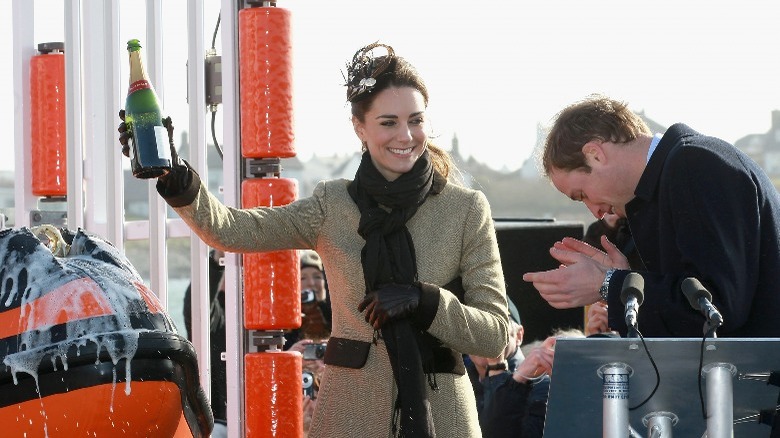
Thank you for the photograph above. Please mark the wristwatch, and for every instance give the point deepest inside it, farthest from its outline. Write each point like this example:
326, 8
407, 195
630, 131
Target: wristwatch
604, 290
496, 366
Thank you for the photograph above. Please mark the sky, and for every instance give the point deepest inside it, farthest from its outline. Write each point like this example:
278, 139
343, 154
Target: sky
496, 69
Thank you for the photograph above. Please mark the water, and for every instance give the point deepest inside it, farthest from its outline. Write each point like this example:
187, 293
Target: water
78, 290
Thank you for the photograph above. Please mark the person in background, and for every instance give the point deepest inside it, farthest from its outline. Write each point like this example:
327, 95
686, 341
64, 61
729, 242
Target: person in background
511, 390
315, 304
314, 366
697, 207
616, 229
597, 321
415, 272
217, 340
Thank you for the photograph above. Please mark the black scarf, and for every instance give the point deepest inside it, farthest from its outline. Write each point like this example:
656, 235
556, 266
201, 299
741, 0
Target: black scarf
388, 257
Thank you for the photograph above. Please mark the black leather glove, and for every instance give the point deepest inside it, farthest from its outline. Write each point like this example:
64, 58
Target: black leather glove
389, 302
125, 135
173, 183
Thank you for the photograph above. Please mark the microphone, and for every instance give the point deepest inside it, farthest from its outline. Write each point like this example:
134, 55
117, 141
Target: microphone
632, 295
701, 300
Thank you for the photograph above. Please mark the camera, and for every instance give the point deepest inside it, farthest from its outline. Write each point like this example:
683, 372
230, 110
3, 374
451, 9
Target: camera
308, 296
308, 384
314, 351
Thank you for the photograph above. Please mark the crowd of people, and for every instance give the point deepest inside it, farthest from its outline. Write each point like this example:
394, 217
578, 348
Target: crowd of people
418, 315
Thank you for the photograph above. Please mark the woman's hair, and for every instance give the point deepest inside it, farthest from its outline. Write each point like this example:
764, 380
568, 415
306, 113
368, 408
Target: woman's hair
368, 75
595, 118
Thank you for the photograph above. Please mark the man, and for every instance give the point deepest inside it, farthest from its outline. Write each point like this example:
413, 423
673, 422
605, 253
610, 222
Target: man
511, 390
697, 207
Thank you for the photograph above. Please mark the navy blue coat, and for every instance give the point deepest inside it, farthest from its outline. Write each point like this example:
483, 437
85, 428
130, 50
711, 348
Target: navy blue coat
704, 209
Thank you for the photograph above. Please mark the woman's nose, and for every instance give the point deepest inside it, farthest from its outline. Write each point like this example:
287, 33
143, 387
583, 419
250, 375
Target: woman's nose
404, 134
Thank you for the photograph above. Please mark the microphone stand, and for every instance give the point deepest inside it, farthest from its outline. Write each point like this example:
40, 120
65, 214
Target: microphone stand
710, 329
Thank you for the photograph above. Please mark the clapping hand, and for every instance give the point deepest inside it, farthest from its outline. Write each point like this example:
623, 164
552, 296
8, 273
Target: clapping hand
577, 280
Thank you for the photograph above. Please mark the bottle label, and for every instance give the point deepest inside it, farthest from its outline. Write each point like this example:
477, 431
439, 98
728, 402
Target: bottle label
143, 84
163, 146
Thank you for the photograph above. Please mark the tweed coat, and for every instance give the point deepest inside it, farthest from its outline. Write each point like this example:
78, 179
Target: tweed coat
453, 235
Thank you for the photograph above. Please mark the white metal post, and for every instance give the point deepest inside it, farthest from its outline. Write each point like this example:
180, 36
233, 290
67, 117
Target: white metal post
235, 333
73, 116
199, 251
158, 256
23, 49
102, 160
720, 399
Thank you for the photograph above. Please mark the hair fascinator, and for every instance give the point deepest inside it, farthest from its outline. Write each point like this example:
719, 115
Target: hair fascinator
365, 68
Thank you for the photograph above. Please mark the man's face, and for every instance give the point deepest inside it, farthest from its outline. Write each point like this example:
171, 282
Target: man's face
601, 189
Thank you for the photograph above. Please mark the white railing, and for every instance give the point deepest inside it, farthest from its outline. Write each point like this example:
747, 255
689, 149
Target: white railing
94, 94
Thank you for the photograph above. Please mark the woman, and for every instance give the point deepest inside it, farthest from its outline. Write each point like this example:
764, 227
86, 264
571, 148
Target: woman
417, 276
315, 303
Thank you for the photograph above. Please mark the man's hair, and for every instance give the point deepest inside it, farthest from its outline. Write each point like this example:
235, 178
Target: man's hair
597, 117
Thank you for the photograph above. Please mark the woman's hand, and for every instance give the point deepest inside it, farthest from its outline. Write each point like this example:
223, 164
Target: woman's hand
125, 135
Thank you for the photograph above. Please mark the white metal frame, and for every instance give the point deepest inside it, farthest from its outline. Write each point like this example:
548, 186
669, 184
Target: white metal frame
235, 335
94, 164
23, 49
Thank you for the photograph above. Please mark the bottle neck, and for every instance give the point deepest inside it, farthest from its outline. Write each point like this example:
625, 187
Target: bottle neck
137, 71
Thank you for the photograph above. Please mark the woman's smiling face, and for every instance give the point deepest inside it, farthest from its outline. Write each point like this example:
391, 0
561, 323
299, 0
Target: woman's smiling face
394, 130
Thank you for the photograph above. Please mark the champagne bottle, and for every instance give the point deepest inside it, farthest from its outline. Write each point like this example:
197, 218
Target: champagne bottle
150, 153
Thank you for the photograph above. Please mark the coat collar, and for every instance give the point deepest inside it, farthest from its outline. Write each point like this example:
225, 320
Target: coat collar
648, 182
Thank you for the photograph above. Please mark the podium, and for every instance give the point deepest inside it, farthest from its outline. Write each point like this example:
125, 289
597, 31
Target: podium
578, 388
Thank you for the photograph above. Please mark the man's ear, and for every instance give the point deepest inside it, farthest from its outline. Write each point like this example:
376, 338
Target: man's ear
594, 152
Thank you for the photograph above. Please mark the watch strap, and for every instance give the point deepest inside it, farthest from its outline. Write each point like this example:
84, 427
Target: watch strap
497, 366
604, 290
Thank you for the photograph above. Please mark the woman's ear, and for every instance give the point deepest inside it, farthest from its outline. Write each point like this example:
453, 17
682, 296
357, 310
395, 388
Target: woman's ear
358, 127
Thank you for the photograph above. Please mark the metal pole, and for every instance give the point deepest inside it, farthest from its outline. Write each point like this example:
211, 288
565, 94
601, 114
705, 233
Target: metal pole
615, 399
199, 251
23, 23
720, 399
234, 315
158, 260
73, 97
659, 424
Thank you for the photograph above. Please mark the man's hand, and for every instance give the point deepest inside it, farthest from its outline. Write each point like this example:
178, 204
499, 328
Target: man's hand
575, 283
612, 258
